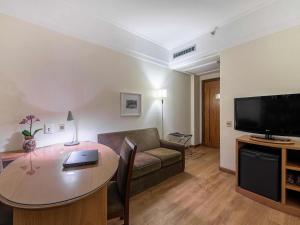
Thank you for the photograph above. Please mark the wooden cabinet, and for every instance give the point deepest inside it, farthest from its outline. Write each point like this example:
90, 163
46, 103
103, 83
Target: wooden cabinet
290, 162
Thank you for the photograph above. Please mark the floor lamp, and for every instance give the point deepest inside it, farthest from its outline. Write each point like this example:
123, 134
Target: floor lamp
162, 93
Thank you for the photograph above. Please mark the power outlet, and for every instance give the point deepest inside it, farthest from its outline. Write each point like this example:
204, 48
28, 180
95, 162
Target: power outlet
49, 128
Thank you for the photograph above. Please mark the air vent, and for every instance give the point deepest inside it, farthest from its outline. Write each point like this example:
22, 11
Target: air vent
184, 52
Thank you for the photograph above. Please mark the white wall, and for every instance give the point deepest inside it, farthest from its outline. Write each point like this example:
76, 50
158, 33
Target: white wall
193, 109
46, 73
263, 67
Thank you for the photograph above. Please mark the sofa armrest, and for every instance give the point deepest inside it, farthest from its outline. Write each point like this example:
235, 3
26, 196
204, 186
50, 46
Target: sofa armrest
175, 146
172, 145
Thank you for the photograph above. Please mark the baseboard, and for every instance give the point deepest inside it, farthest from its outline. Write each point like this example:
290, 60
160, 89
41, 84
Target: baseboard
227, 170
195, 146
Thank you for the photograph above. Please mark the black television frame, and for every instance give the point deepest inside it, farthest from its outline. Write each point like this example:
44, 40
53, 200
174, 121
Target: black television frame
267, 133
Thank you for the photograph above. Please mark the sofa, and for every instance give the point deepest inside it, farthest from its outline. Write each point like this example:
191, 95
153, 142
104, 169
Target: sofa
155, 161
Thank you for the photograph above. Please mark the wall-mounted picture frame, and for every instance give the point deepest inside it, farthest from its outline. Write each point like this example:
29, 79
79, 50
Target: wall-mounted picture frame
131, 104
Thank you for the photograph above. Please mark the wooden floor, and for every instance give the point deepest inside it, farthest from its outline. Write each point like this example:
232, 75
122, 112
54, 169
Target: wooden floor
201, 196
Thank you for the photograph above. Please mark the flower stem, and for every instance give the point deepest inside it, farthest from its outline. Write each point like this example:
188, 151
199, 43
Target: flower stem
30, 127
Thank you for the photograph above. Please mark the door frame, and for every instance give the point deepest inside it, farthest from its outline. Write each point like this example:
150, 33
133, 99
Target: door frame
203, 104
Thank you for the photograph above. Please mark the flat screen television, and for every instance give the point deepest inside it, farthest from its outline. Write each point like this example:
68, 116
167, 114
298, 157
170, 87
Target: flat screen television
269, 115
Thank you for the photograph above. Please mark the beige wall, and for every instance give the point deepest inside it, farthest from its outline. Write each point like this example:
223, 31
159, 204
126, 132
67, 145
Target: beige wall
263, 67
46, 73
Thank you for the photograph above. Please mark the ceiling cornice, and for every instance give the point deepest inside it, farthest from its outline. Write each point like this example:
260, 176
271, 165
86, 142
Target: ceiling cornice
97, 31
70, 5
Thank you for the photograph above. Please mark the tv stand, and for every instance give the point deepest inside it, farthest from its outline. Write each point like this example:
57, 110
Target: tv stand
272, 140
290, 163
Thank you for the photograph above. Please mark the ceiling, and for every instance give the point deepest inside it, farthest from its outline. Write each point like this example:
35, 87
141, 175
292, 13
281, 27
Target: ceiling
168, 23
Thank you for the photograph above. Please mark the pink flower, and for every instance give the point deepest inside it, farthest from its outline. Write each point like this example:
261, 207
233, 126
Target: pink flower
30, 120
30, 117
24, 121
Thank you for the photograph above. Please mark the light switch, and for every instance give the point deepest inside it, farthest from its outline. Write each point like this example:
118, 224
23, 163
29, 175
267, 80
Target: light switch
61, 127
229, 124
49, 128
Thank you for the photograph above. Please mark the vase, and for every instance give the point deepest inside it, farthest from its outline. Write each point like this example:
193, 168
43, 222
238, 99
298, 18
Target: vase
29, 144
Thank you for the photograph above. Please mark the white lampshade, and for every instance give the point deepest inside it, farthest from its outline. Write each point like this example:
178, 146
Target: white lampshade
161, 93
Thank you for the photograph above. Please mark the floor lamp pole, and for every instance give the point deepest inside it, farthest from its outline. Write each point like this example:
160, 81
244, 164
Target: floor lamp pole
162, 118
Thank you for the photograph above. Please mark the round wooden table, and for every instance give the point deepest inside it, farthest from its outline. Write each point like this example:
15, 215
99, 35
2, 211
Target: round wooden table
42, 192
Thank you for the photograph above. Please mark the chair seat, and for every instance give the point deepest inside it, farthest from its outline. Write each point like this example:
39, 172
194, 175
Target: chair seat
145, 164
114, 203
167, 156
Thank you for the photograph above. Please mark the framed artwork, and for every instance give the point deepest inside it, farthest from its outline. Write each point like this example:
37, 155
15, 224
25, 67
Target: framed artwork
131, 104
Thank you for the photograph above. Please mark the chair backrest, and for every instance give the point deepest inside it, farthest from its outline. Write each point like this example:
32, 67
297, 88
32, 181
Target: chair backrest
124, 173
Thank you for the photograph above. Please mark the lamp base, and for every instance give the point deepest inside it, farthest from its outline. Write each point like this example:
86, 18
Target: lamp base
72, 143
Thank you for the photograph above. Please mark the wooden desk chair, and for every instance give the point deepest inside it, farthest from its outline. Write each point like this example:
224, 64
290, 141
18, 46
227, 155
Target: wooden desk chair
119, 190
6, 212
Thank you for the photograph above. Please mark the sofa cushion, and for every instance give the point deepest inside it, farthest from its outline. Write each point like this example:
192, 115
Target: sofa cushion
144, 164
167, 156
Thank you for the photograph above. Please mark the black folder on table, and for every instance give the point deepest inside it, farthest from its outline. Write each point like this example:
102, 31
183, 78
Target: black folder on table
81, 158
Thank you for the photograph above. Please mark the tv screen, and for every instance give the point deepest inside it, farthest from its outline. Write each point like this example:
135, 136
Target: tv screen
275, 115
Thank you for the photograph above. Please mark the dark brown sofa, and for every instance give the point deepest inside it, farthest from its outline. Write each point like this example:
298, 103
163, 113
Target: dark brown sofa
155, 161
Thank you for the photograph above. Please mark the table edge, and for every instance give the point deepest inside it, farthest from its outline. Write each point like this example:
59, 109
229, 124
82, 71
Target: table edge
61, 203
51, 205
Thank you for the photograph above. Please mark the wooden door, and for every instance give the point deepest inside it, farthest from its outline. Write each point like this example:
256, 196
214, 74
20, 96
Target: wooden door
211, 113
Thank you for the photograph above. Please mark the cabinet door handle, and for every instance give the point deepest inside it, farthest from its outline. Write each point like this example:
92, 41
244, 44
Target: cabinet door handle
268, 159
249, 154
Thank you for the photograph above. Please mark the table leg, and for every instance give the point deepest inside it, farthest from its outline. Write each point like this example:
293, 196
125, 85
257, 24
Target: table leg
91, 210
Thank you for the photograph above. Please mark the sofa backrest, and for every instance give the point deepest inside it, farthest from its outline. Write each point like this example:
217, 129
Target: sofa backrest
145, 139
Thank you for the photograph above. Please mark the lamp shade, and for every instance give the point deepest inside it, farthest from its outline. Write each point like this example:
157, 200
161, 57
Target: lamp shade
70, 116
161, 93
